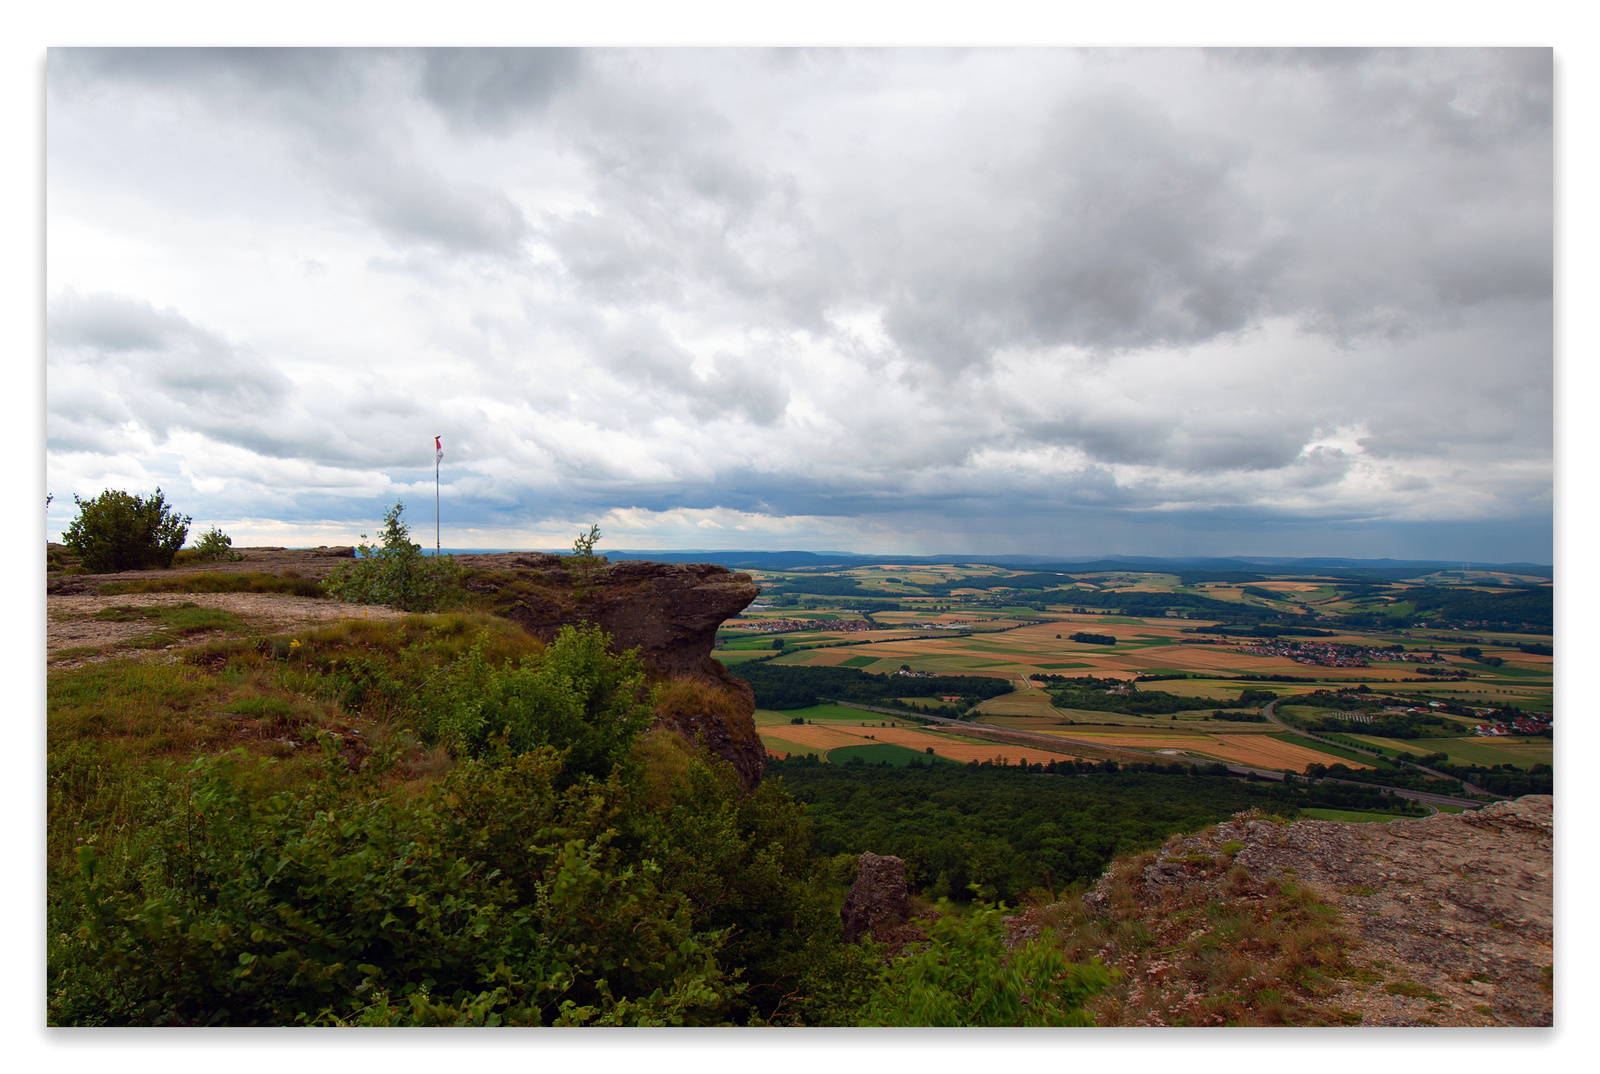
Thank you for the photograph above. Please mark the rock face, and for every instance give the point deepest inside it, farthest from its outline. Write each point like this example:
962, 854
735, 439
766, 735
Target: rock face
669, 611
878, 903
1451, 915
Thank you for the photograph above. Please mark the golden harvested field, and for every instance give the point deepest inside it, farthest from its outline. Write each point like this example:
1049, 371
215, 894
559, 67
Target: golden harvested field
1265, 752
822, 738
1242, 747
816, 736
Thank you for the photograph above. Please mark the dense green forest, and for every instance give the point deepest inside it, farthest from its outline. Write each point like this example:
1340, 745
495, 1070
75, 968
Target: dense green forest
788, 686
1012, 830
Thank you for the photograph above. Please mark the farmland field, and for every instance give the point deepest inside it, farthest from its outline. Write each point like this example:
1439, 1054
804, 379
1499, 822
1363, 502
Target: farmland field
1350, 816
1203, 638
832, 732
1522, 752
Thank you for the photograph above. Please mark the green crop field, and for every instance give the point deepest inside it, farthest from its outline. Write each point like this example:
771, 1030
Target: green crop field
822, 713
782, 745
730, 657
1350, 816
1521, 752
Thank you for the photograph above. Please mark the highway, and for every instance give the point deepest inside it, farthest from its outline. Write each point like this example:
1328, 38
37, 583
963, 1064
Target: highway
1435, 773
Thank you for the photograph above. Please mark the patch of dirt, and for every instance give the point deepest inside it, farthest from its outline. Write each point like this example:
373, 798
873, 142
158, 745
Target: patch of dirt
1450, 916
74, 637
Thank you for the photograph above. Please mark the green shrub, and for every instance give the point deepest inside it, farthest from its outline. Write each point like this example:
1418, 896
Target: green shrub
214, 545
576, 696
397, 573
967, 976
493, 898
117, 531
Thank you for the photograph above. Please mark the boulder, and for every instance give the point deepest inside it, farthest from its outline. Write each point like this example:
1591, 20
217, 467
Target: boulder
879, 902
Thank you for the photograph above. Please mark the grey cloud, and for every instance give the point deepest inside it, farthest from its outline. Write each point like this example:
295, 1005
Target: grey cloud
737, 385
162, 348
328, 73
1248, 441
345, 113
116, 361
1139, 236
1318, 467
743, 387
416, 204
489, 87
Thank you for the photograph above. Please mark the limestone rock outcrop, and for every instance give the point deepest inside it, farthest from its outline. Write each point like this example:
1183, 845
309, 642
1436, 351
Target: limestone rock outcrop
669, 611
1450, 916
879, 902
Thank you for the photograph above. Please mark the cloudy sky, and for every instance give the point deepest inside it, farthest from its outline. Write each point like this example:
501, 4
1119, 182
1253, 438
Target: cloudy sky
1045, 301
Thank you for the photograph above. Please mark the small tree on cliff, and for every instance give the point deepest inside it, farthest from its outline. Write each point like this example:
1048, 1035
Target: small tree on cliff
583, 552
396, 572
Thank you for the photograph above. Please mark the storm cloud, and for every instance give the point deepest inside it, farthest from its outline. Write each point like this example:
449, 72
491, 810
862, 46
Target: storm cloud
1052, 301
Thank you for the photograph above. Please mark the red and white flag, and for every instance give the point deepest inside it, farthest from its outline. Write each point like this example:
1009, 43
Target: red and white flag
438, 449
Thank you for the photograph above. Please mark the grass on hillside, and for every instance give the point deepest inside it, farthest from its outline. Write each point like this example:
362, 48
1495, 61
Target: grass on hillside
109, 724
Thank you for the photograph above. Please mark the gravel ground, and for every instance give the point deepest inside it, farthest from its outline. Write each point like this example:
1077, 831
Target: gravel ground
75, 637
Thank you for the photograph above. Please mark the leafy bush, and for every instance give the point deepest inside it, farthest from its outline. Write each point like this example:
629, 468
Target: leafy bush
117, 531
214, 545
492, 899
576, 696
396, 572
969, 976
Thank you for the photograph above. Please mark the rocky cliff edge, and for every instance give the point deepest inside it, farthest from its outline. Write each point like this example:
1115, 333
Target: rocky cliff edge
669, 611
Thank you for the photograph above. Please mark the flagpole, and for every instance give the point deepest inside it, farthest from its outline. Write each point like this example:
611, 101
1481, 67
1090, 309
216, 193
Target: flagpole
438, 454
